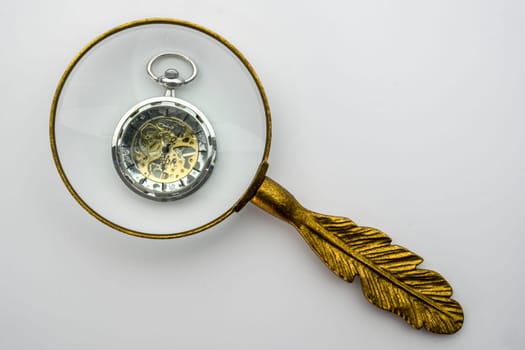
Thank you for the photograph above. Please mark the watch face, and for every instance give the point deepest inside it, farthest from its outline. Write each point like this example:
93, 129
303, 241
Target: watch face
164, 148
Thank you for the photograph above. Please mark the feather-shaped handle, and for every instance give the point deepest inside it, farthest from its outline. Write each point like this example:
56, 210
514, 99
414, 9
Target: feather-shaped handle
389, 275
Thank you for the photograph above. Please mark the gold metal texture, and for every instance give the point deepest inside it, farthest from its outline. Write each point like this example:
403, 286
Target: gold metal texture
248, 194
389, 275
161, 155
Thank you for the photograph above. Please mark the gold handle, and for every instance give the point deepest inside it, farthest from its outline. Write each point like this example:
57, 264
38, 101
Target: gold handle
389, 275
276, 200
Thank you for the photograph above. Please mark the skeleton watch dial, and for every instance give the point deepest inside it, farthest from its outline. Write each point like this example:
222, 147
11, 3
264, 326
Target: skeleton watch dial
164, 148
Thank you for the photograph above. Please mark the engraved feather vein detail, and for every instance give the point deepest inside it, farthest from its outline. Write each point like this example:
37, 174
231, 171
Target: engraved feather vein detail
389, 275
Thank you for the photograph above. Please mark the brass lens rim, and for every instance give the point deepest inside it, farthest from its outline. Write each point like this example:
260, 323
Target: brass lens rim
257, 179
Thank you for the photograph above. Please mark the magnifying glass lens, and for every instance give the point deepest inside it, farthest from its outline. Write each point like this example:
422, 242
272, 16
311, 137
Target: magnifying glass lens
219, 122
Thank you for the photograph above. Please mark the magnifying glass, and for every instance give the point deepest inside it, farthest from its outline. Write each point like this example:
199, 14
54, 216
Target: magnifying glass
160, 128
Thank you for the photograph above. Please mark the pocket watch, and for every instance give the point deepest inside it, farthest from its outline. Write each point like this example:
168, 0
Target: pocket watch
164, 148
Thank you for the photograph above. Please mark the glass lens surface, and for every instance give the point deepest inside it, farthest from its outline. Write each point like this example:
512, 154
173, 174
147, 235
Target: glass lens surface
111, 78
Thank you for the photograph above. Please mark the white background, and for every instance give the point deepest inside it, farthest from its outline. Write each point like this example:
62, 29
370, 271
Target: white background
404, 115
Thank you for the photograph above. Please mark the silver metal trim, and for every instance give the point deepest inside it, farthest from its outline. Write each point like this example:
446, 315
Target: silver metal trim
129, 173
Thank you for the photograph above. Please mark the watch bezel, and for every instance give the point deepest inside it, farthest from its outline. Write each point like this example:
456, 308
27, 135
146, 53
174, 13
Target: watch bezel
126, 170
